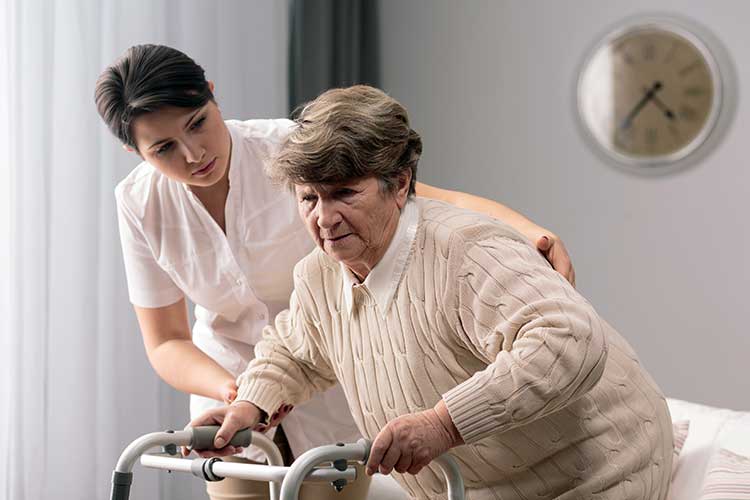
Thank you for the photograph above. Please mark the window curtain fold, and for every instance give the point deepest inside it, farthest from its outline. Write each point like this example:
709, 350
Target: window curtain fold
333, 43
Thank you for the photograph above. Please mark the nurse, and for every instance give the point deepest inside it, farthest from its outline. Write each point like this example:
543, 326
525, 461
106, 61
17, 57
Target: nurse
200, 221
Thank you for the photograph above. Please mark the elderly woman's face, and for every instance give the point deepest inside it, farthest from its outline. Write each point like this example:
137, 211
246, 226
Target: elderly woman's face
352, 222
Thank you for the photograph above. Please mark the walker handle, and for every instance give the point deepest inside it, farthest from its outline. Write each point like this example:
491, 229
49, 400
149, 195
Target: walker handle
203, 438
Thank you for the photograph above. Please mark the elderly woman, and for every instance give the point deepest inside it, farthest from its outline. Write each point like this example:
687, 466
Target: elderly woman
447, 331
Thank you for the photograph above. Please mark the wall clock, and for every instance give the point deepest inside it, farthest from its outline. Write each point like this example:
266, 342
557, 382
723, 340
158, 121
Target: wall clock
650, 93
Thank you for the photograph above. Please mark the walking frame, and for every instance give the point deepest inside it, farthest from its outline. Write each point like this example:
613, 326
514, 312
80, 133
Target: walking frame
322, 464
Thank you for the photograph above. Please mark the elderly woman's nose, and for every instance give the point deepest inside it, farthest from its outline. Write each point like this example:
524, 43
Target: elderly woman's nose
327, 214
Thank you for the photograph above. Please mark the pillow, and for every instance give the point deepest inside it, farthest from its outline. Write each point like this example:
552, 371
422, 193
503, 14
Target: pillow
680, 431
728, 477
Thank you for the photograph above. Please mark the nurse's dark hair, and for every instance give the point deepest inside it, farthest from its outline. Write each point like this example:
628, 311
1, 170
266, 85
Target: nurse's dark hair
144, 79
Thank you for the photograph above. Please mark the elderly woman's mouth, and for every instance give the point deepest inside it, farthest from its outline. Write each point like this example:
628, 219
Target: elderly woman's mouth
338, 238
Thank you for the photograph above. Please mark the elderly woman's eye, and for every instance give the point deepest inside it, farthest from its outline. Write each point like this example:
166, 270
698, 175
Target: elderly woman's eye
308, 198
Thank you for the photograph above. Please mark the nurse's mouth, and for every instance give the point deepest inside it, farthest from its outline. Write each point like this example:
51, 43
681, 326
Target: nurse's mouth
205, 170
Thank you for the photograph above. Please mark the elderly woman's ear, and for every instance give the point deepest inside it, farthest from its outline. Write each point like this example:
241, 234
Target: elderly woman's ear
402, 188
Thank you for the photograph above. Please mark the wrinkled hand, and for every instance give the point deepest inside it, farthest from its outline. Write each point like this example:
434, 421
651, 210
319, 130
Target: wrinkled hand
276, 418
232, 418
554, 251
410, 442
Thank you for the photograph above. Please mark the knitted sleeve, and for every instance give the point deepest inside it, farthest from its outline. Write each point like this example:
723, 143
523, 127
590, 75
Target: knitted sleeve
543, 343
289, 366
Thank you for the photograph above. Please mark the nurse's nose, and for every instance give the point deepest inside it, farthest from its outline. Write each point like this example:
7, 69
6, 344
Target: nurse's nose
194, 153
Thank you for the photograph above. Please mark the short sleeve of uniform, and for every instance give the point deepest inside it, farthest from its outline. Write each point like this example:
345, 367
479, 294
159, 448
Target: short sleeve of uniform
148, 284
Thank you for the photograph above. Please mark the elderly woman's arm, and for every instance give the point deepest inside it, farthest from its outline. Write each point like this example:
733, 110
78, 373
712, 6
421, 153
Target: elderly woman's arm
289, 366
288, 369
547, 242
543, 344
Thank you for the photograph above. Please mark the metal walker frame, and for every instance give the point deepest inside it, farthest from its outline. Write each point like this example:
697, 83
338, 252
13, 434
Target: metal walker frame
284, 482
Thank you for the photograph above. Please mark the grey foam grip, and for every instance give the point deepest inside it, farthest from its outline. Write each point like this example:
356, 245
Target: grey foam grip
203, 437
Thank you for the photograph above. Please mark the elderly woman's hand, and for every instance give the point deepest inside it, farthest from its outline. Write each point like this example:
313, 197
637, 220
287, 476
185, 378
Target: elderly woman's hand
232, 418
410, 442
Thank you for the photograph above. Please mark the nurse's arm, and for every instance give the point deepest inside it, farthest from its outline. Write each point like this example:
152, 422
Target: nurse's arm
548, 243
170, 349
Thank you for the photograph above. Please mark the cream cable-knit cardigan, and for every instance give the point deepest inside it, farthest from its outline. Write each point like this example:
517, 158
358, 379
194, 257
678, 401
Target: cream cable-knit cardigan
550, 400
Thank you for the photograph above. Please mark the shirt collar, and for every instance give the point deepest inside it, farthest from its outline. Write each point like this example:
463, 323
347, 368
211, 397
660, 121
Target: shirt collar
384, 278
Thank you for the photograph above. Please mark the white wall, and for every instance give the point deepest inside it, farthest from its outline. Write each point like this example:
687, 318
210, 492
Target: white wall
489, 85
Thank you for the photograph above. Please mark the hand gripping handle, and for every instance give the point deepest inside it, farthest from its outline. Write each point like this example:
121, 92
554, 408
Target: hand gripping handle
203, 438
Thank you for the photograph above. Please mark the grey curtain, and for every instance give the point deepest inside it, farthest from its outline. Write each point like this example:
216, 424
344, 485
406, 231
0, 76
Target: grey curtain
333, 43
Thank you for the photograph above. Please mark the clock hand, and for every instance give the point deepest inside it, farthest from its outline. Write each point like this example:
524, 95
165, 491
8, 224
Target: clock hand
663, 107
649, 95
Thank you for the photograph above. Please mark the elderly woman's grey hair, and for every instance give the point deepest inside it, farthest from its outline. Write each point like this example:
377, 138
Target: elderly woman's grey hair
346, 134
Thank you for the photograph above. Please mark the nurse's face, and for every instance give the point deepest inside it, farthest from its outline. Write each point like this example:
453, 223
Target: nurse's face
187, 145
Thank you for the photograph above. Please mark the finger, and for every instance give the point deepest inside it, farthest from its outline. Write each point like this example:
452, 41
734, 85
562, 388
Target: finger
415, 468
185, 451
228, 429
543, 244
210, 417
419, 462
230, 396
392, 455
404, 462
572, 276
224, 452
377, 452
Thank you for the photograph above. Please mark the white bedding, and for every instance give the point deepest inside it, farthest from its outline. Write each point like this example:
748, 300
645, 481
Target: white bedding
710, 429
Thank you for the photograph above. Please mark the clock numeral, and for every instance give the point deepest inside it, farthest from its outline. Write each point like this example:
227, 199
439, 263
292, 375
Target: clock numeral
670, 53
688, 113
649, 52
689, 68
695, 91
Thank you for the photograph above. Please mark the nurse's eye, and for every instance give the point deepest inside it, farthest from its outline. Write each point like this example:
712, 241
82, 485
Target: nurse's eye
164, 148
198, 123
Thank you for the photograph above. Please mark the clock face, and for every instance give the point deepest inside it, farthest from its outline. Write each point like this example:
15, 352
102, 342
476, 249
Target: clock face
649, 95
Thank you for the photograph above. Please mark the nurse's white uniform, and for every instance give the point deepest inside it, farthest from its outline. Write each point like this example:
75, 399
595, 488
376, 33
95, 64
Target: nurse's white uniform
238, 281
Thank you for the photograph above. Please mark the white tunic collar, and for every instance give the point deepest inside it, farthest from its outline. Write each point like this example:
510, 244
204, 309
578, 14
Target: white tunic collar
383, 280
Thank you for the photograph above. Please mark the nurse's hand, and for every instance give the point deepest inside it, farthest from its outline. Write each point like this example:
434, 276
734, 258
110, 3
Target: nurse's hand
410, 442
228, 391
232, 418
553, 249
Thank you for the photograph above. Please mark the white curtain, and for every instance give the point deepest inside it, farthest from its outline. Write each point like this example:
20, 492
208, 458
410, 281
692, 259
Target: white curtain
75, 385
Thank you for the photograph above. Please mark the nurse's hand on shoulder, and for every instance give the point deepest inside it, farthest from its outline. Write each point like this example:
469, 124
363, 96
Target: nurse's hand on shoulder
553, 249
239, 415
410, 442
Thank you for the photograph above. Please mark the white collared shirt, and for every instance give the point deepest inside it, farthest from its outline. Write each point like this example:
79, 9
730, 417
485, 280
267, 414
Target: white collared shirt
173, 248
383, 279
